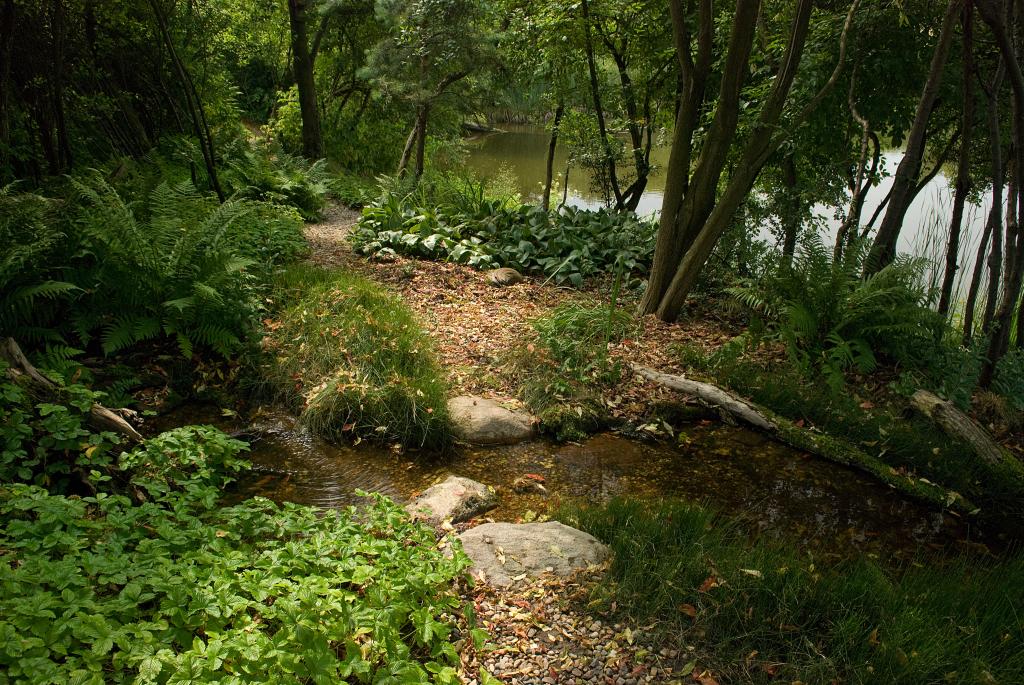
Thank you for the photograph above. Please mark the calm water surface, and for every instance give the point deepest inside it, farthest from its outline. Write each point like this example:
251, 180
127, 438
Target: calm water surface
783, 494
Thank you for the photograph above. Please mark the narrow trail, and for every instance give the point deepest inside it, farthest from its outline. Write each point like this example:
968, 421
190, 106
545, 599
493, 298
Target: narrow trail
544, 631
474, 325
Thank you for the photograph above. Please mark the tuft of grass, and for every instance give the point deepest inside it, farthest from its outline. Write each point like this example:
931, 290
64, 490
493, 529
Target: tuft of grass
567, 366
354, 361
762, 614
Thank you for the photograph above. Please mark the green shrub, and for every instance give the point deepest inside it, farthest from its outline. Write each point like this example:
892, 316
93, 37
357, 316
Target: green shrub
833, 320
178, 265
761, 614
354, 360
272, 175
31, 292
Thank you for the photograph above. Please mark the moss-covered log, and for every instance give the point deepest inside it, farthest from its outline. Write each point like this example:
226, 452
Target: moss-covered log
819, 444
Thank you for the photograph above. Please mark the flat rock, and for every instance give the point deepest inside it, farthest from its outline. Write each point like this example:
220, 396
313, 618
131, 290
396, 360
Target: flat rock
454, 499
503, 551
504, 276
485, 422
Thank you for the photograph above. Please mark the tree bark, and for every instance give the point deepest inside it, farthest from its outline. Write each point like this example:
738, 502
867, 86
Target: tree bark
963, 171
791, 222
422, 114
883, 250
549, 168
302, 65
595, 92
690, 211
6, 45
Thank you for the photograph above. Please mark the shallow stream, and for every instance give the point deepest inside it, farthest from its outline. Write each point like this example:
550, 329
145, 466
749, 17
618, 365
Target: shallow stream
776, 492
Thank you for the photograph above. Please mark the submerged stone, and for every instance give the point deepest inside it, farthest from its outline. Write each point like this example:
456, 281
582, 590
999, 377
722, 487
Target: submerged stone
455, 499
503, 552
485, 422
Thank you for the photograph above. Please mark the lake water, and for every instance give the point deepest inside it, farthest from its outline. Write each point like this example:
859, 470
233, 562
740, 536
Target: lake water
521, 153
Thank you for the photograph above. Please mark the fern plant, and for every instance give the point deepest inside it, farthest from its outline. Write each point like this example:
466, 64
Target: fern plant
833, 320
165, 267
277, 177
29, 288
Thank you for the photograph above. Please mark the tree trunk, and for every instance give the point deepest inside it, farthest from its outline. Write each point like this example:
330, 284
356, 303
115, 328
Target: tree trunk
958, 425
549, 168
302, 65
6, 45
195, 105
595, 92
999, 338
403, 162
963, 171
883, 251
422, 113
685, 210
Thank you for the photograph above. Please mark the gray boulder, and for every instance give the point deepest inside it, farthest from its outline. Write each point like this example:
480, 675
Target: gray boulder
485, 422
504, 552
455, 499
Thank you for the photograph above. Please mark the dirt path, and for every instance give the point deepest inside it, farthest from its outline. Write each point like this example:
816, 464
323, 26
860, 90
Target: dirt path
474, 324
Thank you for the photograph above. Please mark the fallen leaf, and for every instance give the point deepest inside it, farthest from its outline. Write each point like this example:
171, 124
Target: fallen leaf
689, 610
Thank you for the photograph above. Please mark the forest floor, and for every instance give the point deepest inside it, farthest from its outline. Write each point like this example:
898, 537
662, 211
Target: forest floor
544, 631
475, 325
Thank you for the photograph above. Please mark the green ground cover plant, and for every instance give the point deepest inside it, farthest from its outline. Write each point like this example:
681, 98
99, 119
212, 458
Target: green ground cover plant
760, 614
353, 360
457, 220
148, 579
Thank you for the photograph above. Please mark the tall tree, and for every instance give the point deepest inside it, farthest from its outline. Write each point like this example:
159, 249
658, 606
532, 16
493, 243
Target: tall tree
905, 181
305, 79
692, 223
433, 45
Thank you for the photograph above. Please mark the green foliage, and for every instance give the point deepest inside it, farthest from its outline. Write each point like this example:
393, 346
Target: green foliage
170, 270
170, 262
1009, 379
28, 290
762, 614
833, 320
50, 443
459, 222
174, 589
274, 176
562, 375
354, 360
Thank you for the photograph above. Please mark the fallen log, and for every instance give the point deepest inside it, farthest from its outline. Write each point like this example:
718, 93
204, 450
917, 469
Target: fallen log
962, 427
100, 418
819, 444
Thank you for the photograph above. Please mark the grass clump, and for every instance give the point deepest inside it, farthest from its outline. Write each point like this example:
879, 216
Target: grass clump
352, 358
761, 614
568, 365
